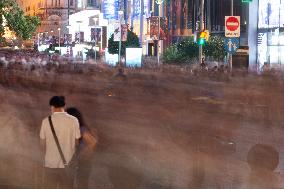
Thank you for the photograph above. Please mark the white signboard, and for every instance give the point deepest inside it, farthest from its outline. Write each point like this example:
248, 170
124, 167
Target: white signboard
117, 32
232, 26
111, 59
134, 57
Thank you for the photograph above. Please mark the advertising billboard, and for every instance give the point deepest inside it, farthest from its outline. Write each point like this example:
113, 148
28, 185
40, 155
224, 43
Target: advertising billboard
117, 32
270, 13
124, 31
79, 37
110, 9
137, 8
67, 39
154, 28
96, 34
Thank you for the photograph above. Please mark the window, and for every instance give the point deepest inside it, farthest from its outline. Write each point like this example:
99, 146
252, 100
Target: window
270, 13
79, 3
90, 3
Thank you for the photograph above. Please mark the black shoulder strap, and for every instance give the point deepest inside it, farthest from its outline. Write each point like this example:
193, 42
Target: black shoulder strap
56, 141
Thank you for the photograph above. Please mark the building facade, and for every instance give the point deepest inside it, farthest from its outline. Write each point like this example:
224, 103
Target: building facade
184, 17
54, 14
270, 33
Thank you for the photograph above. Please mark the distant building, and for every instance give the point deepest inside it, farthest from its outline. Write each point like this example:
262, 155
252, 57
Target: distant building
54, 13
184, 16
270, 33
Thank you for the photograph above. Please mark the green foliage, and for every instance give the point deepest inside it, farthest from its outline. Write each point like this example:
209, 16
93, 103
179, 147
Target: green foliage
172, 55
132, 41
187, 50
4, 8
50, 48
23, 26
215, 48
91, 54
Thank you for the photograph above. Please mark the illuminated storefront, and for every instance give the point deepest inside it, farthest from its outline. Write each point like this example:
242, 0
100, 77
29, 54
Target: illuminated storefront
82, 26
270, 41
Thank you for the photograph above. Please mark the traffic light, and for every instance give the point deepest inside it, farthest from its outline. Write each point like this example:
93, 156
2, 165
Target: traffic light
207, 35
203, 37
201, 41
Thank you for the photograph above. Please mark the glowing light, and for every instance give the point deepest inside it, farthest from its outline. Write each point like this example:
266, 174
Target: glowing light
8, 33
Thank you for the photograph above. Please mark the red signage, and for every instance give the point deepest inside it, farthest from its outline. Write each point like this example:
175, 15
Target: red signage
232, 26
154, 28
232, 23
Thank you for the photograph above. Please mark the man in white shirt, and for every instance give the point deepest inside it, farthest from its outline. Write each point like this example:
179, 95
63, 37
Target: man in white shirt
68, 133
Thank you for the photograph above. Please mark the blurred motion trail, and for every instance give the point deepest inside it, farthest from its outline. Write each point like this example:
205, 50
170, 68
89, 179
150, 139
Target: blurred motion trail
157, 130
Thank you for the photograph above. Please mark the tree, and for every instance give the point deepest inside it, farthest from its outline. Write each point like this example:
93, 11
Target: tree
23, 26
215, 48
132, 41
173, 55
187, 50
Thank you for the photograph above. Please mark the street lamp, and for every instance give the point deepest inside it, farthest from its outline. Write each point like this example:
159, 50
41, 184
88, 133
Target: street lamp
159, 2
38, 39
79, 24
95, 39
201, 29
120, 13
59, 40
51, 37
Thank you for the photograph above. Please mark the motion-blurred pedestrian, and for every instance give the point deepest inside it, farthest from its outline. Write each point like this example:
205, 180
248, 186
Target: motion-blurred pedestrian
86, 149
59, 134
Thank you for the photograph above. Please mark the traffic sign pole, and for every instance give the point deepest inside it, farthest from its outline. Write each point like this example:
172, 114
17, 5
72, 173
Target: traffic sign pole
201, 29
231, 55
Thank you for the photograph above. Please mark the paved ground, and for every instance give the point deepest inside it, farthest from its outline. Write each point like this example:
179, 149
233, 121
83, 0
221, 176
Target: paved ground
156, 131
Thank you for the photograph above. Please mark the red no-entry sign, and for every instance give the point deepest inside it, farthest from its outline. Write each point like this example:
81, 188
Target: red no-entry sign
232, 23
232, 26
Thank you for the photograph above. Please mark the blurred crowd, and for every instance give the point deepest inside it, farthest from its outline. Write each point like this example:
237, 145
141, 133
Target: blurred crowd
30, 60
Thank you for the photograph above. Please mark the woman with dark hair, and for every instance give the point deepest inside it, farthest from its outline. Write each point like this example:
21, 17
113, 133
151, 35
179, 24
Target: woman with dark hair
87, 146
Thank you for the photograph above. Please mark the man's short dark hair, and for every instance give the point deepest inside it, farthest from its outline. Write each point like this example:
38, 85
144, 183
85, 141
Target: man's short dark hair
57, 101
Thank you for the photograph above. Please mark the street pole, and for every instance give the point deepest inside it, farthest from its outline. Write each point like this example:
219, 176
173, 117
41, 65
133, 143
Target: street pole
79, 22
59, 40
79, 34
38, 40
95, 19
159, 2
95, 50
201, 29
159, 27
142, 23
132, 15
68, 10
119, 47
231, 55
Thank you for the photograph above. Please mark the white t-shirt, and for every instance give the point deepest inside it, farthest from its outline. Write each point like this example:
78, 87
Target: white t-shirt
67, 130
